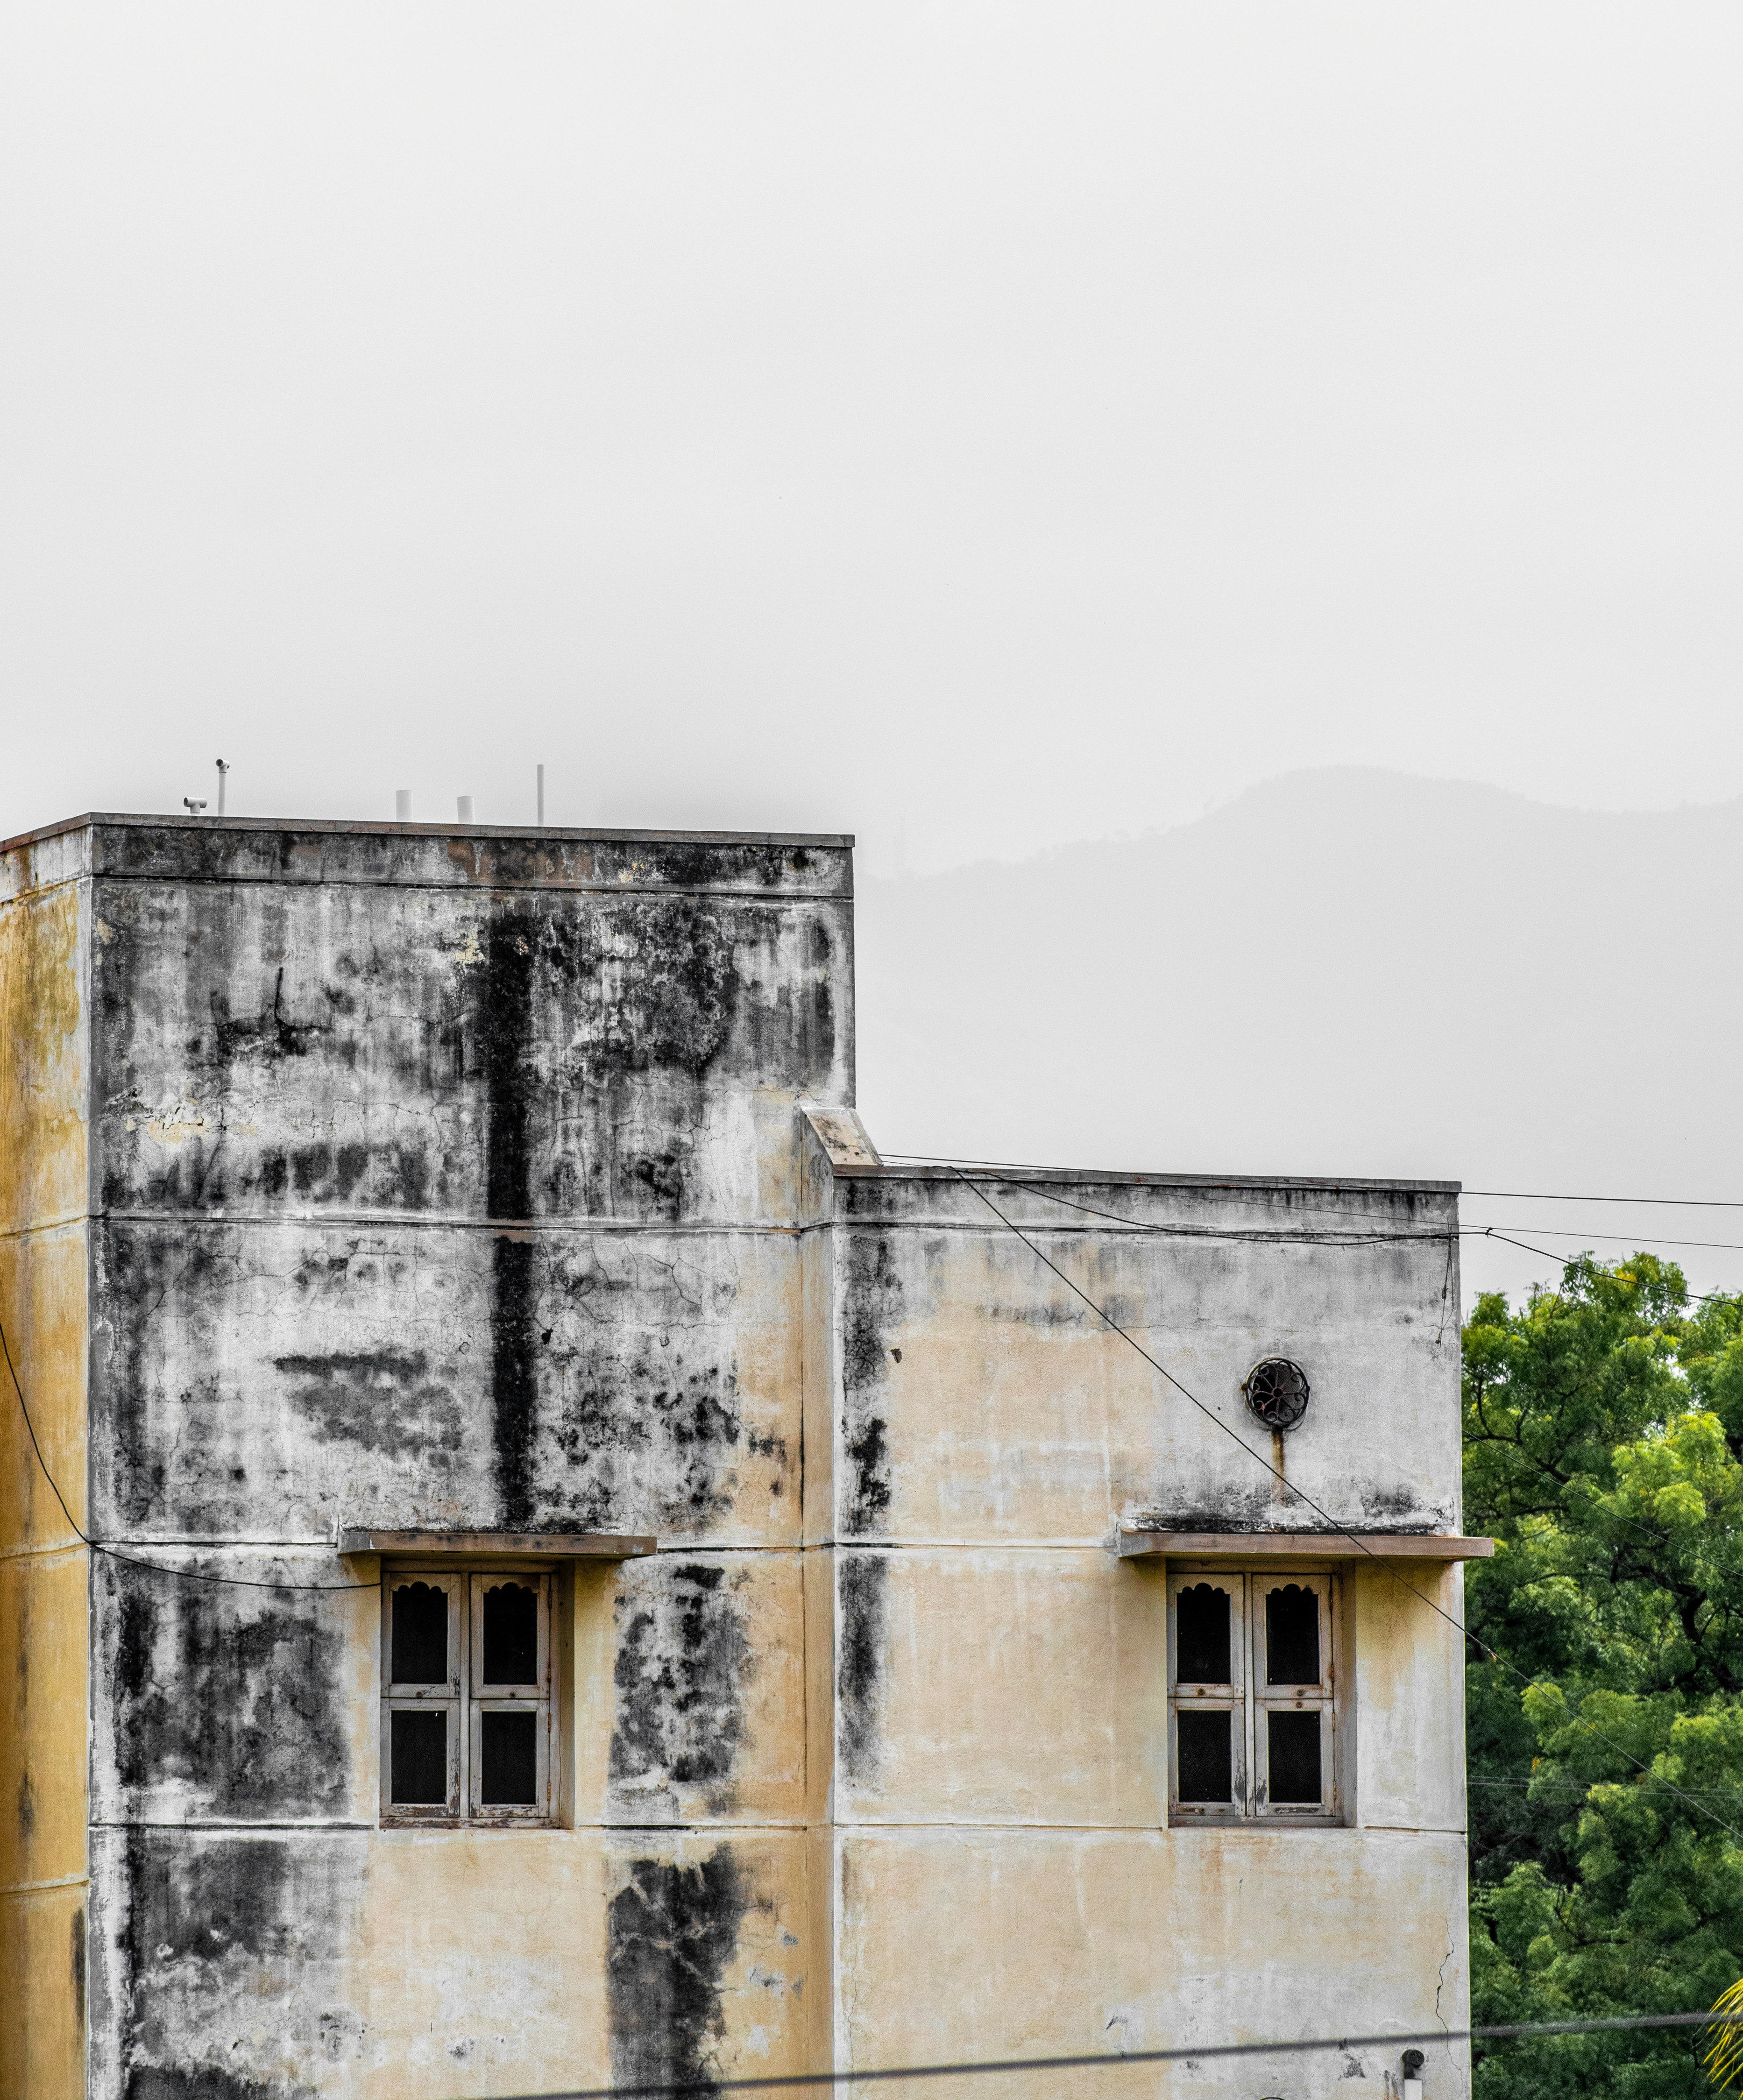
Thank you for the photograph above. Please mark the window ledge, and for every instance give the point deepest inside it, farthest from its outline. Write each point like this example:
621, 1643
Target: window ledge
1299, 1545
546, 1545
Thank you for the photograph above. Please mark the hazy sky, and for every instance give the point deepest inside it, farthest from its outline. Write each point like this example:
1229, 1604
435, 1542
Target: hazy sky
975, 426
1344, 972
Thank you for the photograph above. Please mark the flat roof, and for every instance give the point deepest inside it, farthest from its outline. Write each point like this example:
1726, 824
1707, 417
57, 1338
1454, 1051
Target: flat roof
633, 836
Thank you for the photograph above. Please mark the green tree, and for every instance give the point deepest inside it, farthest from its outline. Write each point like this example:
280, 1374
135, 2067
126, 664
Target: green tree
1603, 1449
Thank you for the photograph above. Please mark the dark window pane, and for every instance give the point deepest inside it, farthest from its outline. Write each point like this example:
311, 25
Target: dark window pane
420, 1759
1201, 1636
1292, 1636
510, 1778
1294, 1757
420, 1654
1207, 1755
511, 1635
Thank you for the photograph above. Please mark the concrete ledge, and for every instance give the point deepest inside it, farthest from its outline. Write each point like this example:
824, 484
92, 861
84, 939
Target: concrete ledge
1321, 1545
552, 1545
844, 1137
168, 820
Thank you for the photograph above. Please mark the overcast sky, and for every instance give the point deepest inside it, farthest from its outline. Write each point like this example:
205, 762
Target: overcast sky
978, 426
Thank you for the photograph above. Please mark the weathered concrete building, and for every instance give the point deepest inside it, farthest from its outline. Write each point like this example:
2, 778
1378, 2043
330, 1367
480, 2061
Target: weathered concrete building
722, 1604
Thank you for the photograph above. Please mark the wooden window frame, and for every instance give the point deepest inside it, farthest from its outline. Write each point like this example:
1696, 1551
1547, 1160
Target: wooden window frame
1252, 1701
466, 1698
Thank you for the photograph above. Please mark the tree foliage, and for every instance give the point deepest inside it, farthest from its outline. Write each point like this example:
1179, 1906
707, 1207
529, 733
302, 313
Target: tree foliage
1603, 1449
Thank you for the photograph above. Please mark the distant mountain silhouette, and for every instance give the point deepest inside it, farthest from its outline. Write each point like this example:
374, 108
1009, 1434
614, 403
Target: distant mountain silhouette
1344, 972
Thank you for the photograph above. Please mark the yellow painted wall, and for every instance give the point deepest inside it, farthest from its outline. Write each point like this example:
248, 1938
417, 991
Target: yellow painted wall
44, 1619
962, 1943
1006, 1881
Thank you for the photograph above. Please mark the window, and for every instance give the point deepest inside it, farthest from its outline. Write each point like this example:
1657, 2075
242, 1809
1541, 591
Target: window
466, 1707
1252, 1705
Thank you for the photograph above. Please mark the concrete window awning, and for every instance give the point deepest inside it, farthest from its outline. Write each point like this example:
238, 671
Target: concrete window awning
545, 1544
1299, 1545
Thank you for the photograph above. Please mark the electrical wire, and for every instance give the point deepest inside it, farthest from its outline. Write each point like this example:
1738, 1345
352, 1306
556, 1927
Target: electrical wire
1500, 1195
1555, 1196
1102, 2060
1583, 1786
1338, 1529
1356, 1236
1276, 1236
131, 1559
1490, 1233
1627, 1239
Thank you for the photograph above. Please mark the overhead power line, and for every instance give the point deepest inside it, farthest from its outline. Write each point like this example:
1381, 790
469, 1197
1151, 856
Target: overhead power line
1555, 1196
1353, 1236
1583, 1786
1627, 1239
1100, 2060
1331, 1181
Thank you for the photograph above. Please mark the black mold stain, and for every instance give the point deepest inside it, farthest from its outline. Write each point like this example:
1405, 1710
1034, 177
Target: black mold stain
1247, 1507
200, 1917
822, 1006
869, 1496
147, 2082
514, 1379
506, 1045
396, 1175
26, 1801
384, 1399
661, 1173
675, 1009
863, 1583
650, 1434
243, 1701
230, 1020
873, 1293
76, 1966
683, 1657
1061, 1312
271, 1031
1385, 1506
137, 1273
273, 996
670, 1936
200, 1902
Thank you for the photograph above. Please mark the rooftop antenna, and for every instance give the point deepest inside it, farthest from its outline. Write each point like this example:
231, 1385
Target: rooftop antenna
190, 806
223, 768
402, 805
542, 798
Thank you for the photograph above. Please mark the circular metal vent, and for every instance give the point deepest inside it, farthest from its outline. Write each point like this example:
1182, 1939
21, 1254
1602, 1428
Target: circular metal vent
1277, 1392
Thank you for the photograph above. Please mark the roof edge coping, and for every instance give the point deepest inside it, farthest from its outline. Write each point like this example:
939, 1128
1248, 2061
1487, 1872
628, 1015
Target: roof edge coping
369, 827
1138, 1178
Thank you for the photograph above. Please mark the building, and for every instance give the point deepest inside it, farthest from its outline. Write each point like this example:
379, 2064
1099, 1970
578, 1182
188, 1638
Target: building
714, 1587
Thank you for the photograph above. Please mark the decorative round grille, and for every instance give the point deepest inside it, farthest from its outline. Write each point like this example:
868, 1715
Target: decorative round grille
1277, 1392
